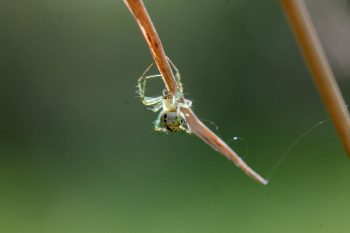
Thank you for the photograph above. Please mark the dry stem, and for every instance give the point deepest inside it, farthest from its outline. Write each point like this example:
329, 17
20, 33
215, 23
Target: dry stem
139, 11
310, 45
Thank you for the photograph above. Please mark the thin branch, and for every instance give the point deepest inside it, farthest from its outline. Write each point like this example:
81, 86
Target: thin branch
311, 47
142, 18
139, 11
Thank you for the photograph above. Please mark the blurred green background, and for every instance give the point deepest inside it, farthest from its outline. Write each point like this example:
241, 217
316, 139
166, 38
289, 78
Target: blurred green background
77, 148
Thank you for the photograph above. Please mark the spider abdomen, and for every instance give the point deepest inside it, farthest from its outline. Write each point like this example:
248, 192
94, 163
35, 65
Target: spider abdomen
172, 121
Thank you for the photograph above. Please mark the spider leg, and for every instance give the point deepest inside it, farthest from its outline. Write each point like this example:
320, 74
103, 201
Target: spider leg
141, 84
186, 104
177, 76
184, 126
158, 106
151, 100
142, 88
186, 129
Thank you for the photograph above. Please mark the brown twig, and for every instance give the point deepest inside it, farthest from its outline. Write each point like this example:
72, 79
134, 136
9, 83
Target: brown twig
139, 11
310, 45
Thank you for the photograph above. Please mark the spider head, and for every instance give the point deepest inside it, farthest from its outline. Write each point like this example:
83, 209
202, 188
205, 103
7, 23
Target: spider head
166, 95
168, 101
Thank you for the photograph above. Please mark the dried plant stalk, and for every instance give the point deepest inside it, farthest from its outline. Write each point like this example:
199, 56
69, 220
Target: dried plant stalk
311, 47
141, 16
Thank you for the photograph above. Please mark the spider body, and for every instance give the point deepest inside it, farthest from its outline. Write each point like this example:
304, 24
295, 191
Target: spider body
172, 121
170, 118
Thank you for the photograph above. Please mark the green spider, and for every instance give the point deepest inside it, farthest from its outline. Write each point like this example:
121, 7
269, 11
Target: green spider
170, 118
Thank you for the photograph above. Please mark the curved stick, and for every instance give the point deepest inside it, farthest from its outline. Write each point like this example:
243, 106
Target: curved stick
139, 12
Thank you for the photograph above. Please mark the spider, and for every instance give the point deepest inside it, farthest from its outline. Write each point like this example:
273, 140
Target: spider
170, 118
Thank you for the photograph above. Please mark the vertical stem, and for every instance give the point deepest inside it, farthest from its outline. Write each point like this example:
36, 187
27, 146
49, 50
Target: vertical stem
310, 45
142, 18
